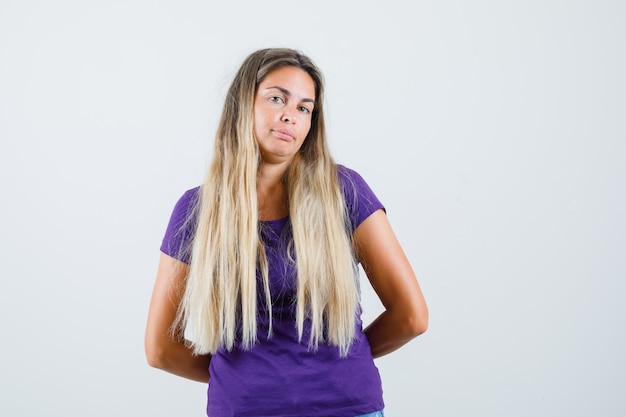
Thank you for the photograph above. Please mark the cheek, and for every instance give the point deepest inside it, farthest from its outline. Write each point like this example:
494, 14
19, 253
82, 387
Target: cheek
304, 135
307, 128
258, 121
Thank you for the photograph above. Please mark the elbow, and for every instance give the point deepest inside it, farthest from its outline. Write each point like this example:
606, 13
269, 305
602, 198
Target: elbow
157, 354
417, 323
155, 357
155, 361
419, 327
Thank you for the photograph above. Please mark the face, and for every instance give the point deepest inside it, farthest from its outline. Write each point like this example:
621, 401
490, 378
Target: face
283, 107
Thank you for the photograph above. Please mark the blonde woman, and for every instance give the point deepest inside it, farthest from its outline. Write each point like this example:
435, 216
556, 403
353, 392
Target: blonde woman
259, 264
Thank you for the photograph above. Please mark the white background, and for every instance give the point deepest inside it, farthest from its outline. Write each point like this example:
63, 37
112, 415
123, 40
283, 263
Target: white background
493, 131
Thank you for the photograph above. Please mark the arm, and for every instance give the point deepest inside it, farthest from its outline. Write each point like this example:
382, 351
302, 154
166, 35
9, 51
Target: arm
163, 350
393, 279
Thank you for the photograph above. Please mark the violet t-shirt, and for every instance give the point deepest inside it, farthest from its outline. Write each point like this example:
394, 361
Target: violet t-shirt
280, 376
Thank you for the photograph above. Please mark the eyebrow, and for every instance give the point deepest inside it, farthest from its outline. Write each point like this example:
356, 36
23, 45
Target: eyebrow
288, 93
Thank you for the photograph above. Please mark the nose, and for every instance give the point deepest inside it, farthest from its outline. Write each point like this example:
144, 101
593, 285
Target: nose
287, 115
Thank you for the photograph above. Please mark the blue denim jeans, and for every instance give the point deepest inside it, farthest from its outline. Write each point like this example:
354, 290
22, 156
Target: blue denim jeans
376, 414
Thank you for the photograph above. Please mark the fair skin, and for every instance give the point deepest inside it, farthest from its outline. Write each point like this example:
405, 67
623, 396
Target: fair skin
283, 106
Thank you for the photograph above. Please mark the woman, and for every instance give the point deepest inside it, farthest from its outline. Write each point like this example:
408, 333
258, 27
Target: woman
259, 264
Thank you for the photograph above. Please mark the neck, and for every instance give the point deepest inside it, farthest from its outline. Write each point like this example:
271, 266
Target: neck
271, 174
271, 191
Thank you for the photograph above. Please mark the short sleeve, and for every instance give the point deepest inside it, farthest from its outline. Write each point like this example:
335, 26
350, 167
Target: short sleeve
181, 228
361, 202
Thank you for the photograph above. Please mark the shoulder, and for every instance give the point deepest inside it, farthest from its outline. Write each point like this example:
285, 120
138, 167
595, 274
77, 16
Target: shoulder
360, 199
353, 184
190, 196
181, 227
186, 203
347, 175
351, 181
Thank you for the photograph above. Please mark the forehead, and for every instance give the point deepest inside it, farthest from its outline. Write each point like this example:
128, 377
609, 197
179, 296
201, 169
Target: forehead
293, 79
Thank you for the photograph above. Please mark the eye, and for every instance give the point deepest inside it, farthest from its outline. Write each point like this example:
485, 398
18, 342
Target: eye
304, 109
276, 99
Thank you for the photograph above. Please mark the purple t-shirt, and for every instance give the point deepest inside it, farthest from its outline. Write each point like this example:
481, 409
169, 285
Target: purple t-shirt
280, 376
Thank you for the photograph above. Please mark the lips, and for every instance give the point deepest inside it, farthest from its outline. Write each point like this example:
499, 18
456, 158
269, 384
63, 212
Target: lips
283, 134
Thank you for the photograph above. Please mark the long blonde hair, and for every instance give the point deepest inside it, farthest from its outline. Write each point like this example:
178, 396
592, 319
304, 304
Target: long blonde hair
219, 304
